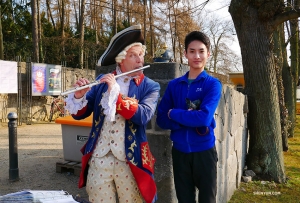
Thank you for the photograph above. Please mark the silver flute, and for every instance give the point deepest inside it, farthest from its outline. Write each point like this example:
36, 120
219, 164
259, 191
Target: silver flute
98, 82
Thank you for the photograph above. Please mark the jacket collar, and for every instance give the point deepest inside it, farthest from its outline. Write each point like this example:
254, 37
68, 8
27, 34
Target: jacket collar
203, 74
139, 79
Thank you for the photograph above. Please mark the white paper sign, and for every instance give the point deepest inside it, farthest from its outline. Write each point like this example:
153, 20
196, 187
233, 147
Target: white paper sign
8, 77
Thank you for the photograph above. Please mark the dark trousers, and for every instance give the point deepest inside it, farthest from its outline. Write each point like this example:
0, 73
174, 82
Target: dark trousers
197, 169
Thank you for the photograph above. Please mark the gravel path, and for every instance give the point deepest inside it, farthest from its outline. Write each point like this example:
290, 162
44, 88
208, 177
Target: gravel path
39, 148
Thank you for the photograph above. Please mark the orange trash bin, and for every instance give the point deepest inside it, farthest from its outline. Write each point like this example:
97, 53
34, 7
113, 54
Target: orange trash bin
74, 135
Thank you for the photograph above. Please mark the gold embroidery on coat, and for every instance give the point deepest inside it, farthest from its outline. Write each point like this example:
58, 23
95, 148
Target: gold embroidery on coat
128, 103
146, 158
132, 146
97, 122
102, 112
132, 161
131, 128
119, 107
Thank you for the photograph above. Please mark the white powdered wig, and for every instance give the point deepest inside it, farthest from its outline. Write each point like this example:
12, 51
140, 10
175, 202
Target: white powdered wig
122, 54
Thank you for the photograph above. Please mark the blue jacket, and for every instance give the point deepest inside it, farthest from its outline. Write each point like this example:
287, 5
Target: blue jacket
191, 130
138, 154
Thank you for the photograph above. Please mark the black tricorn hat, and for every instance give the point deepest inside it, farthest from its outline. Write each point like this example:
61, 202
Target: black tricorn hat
118, 42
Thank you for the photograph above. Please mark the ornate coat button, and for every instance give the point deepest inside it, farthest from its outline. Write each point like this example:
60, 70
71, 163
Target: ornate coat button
129, 155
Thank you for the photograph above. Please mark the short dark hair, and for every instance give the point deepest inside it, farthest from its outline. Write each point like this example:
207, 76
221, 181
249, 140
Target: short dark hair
196, 35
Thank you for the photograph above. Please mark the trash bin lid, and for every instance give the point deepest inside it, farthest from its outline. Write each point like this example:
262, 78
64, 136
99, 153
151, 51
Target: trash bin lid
69, 120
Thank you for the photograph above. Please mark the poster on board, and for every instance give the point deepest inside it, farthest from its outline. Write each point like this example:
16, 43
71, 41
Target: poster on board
54, 79
39, 79
46, 79
8, 77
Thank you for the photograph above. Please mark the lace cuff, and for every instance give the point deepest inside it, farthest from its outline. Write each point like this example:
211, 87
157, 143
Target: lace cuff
73, 104
108, 102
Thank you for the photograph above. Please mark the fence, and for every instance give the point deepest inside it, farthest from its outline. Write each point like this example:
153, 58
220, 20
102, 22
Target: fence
31, 108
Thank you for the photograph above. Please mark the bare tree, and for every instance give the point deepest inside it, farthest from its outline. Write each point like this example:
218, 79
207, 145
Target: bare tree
35, 39
182, 19
1, 38
62, 26
40, 31
49, 12
81, 31
221, 32
114, 16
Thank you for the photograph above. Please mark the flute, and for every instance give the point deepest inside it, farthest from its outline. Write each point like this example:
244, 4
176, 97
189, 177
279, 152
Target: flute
97, 82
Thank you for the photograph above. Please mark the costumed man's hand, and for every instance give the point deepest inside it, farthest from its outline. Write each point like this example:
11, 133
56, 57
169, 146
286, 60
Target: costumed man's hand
81, 82
109, 79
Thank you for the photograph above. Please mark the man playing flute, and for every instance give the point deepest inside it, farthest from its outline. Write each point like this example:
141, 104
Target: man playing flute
117, 162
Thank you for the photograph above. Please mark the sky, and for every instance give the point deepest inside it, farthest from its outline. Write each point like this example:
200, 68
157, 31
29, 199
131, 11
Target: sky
220, 8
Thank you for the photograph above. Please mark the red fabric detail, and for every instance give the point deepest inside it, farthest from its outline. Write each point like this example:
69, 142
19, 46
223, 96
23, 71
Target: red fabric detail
126, 106
145, 183
206, 131
138, 80
81, 111
83, 149
84, 168
148, 159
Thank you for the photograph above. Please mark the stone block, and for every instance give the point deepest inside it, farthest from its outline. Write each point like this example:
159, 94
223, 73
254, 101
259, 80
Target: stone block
246, 179
231, 175
161, 148
249, 173
163, 86
165, 71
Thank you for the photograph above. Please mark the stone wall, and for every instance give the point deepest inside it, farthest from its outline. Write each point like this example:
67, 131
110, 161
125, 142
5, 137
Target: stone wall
231, 141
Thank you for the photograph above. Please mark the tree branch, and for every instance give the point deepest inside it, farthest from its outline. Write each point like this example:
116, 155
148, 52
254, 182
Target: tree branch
285, 16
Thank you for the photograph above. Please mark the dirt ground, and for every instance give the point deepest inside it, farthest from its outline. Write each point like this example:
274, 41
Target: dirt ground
39, 148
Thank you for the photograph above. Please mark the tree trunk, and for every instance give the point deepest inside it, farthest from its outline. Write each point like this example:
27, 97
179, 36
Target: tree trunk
1, 39
279, 44
114, 11
62, 29
289, 92
81, 27
50, 14
41, 55
94, 21
76, 16
145, 22
292, 74
151, 29
35, 40
171, 30
256, 39
128, 12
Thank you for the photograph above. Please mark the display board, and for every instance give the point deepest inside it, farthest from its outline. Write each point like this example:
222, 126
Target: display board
46, 79
8, 77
